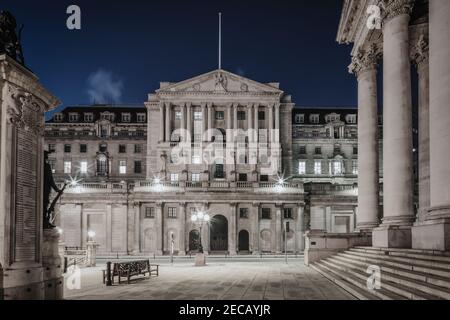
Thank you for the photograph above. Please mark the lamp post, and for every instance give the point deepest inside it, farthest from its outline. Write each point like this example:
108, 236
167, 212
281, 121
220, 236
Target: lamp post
91, 249
201, 218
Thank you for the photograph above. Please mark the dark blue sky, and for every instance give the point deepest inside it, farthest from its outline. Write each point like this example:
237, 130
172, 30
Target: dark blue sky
136, 44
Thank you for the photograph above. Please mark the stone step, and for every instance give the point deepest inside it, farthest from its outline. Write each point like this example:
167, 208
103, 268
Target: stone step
353, 285
409, 288
410, 260
402, 290
356, 291
434, 276
442, 256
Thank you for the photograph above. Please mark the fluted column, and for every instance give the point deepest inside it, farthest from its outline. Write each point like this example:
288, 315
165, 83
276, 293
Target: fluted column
254, 214
398, 213
210, 121
161, 122
364, 66
270, 116
168, 127
232, 229
278, 227
250, 122
183, 121
420, 57
204, 121
188, 122
235, 121
256, 107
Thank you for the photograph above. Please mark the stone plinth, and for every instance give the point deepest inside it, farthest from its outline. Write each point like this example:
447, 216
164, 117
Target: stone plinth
320, 244
200, 260
52, 264
431, 235
23, 101
392, 236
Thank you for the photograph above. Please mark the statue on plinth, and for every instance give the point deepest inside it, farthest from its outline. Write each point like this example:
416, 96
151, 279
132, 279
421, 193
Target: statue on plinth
49, 184
9, 40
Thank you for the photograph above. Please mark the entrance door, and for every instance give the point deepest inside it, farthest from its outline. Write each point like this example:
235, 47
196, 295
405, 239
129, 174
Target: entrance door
194, 240
243, 240
219, 233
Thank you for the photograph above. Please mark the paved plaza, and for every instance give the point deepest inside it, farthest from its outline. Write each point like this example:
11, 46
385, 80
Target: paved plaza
221, 279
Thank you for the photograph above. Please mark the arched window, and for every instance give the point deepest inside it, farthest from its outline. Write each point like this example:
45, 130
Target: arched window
102, 165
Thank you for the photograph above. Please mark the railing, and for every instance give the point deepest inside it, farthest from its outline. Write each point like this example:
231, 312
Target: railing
244, 184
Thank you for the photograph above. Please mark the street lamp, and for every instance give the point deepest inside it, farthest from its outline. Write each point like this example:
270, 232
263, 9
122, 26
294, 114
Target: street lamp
201, 218
91, 235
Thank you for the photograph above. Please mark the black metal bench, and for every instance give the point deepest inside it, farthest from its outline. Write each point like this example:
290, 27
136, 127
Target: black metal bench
131, 268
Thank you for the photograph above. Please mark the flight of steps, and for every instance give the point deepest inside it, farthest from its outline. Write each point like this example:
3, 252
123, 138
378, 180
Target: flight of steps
405, 273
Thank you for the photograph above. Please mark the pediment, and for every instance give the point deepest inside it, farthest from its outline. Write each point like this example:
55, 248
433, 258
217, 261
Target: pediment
219, 81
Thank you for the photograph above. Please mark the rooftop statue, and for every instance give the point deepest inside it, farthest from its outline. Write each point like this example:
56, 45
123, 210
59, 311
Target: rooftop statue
9, 40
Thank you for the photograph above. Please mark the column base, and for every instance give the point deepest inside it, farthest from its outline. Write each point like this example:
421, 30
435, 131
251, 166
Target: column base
366, 227
391, 236
431, 235
181, 253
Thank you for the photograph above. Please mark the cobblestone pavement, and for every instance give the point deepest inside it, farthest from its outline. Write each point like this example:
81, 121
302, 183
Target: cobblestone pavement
254, 280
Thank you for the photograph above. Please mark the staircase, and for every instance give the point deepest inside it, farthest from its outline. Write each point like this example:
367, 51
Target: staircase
405, 273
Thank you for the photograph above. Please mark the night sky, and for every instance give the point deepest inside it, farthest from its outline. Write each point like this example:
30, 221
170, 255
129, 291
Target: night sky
126, 47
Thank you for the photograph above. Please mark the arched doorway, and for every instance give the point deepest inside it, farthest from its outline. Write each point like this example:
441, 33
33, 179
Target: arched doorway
243, 240
218, 233
194, 240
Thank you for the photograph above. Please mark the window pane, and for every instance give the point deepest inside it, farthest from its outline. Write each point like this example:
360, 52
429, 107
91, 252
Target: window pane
67, 167
83, 167
122, 167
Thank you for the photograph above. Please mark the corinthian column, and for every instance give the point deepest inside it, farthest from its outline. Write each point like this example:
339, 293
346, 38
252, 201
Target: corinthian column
250, 122
256, 135
168, 130
161, 122
364, 66
188, 122
204, 120
183, 121
398, 212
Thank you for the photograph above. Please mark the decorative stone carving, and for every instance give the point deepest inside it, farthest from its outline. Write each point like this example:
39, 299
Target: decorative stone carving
394, 8
364, 60
419, 51
221, 81
26, 111
244, 87
196, 87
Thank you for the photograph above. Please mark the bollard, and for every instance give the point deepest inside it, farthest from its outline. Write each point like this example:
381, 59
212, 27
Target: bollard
108, 274
117, 256
154, 256
65, 264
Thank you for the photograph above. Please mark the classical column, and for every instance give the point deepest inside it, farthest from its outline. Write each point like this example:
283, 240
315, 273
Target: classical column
137, 227
183, 121
300, 228
278, 228
210, 121
256, 135
235, 121
161, 122
204, 122
159, 228
250, 122
188, 122
398, 215
270, 116
364, 66
232, 229
420, 58
277, 122
255, 223
168, 129
182, 236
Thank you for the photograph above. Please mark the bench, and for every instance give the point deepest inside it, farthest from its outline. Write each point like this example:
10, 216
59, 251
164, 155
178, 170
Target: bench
131, 268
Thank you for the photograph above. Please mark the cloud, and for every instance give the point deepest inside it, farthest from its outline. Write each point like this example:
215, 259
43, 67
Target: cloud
104, 87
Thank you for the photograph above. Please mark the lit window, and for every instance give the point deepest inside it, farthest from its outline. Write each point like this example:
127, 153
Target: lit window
174, 177
177, 115
83, 167
126, 117
198, 115
355, 166
302, 167
314, 118
195, 177
73, 117
67, 167
88, 117
317, 167
140, 117
351, 118
337, 166
122, 167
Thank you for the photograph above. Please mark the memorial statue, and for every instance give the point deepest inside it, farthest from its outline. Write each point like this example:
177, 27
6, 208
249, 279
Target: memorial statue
49, 184
9, 41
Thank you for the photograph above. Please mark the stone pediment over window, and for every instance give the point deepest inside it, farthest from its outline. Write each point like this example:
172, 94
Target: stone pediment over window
219, 82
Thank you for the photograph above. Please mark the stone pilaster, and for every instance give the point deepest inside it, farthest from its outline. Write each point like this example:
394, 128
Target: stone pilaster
278, 227
232, 231
254, 215
168, 121
235, 110
159, 228
182, 236
250, 122
204, 122
277, 123
210, 121
161, 121
364, 66
137, 228
188, 122
398, 216
256, 134
183, 121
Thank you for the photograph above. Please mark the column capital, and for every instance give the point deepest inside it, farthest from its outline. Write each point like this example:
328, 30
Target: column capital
235, 105
394, 8
159, 204
365, 60
188, 104
419, 51
183, 204
256, 204
277, 105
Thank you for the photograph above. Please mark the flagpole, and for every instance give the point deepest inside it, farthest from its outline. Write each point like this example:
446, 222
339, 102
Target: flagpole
220, 40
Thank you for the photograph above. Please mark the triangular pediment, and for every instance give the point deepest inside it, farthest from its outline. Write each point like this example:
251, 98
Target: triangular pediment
219, 81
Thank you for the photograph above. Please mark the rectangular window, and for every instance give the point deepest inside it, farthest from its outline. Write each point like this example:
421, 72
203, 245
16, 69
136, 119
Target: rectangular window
137, 148
172, 212
265, 213
302, 150
220, 115
302, 167
242, 177
243, 213
67, 148
83, 167
241, 115
150, 212
337, 166
318, 150
174, 177
317, 167
314, 118
137, 167
122, 167
140, 117
261, 115
88, 117
122, 148
126, 117
355, 150
355, 166
58, 117
198, 115
83, 148
195, 177
67, 167
264, 178
73, 117
299, 118
287, 212
177, 115
51, 147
